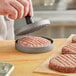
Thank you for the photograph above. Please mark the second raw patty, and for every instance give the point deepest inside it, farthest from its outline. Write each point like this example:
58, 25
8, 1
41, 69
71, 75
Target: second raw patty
74, 39
69, 49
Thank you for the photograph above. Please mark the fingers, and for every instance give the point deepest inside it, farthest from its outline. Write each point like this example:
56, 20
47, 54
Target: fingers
12, 12
25, 3
30, 8
19, 7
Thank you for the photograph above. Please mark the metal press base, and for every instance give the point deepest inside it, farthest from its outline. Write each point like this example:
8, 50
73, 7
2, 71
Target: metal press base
35, 49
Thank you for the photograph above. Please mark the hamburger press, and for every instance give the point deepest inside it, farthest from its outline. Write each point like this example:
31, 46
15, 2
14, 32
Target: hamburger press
29, 28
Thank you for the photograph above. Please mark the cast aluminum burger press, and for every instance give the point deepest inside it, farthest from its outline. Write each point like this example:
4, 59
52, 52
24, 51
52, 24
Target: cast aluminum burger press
29, 28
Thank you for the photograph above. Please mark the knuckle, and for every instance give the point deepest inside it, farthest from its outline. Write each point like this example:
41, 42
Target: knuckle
27, 4
21, 8
14, 12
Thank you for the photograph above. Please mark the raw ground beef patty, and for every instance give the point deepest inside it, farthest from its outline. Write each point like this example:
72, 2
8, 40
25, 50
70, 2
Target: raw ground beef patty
74, 39
63, 63
69, 49
31, 41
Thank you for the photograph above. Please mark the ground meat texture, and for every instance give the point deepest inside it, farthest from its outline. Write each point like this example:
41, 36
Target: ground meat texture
63, 63
74, 39
34, 42
69, 49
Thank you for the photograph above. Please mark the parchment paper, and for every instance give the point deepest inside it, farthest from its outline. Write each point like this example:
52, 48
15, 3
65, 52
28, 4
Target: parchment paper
43, 68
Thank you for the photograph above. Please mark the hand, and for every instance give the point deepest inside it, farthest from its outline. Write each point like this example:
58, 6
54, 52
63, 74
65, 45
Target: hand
30, 8
16, 9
